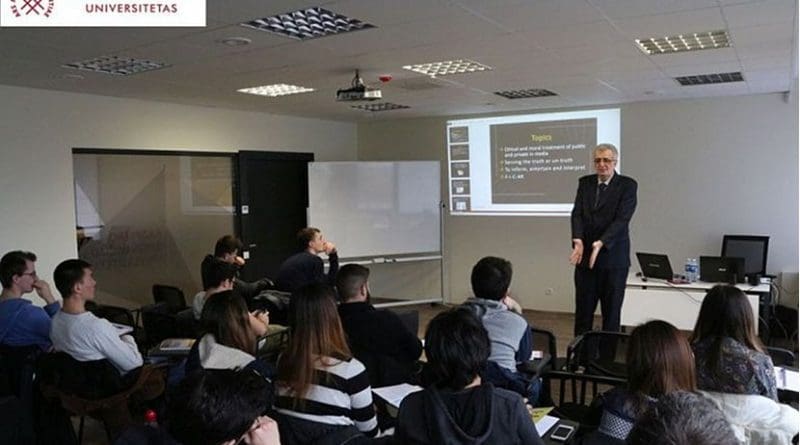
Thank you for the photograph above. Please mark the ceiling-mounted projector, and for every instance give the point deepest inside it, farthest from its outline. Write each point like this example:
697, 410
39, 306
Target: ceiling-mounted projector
357, 91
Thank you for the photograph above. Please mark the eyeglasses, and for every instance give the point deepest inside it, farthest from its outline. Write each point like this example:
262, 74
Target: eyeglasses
604, 160
33, 274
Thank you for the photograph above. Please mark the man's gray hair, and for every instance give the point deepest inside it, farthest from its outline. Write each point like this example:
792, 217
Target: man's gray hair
682, 418
603, 147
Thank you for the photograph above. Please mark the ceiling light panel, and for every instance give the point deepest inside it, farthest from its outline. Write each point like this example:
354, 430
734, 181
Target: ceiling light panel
448, 67
118, 66
384, 106
525, 94
685, 42
306, 24
279, 89
707, 79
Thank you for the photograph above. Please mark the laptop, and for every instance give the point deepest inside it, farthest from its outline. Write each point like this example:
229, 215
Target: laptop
717, 269
654, 265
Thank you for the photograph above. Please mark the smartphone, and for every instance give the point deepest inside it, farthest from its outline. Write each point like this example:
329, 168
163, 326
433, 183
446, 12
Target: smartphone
562, 433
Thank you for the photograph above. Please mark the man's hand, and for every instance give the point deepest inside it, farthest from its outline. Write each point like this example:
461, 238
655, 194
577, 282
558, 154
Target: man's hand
43, 290
596, 246
239, 261
329, 248
263, 432
512, 304
259, 321
577, 252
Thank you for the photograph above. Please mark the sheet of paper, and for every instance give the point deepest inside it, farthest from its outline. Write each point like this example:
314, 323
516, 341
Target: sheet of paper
396, 393
538, 414
176, 344
544, 425
787, 379
122, 329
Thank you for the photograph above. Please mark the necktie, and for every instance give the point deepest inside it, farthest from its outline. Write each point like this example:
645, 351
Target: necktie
600, 189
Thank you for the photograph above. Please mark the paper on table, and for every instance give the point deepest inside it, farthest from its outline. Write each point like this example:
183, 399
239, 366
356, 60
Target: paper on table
538, 414
545, 424
787, 379
396, 393
122, 329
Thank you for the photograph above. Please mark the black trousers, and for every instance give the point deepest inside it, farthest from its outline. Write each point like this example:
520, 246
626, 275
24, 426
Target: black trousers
604, 285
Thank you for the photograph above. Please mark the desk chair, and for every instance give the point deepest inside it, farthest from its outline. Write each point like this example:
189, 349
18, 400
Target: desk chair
17, 371
575, 404
781, 357
96, 389
170, 295
599, 353
544, 341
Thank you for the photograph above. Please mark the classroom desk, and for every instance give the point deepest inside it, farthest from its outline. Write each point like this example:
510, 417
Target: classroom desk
678, 304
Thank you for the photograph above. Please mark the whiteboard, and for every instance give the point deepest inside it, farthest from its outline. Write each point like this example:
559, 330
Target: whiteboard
375, 209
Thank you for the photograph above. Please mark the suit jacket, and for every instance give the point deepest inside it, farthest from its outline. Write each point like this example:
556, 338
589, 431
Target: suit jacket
607, 222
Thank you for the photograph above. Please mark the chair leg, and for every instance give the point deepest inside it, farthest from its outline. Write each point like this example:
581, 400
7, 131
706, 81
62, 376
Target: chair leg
80, 430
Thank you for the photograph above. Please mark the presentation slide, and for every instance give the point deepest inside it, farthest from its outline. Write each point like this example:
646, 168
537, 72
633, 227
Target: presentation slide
524, 165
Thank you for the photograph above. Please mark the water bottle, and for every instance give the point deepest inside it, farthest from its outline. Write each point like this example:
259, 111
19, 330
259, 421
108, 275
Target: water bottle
151, 418
695, 270
687, 270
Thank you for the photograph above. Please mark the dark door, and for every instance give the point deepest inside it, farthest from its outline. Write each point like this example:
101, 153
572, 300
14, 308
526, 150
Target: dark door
272, 199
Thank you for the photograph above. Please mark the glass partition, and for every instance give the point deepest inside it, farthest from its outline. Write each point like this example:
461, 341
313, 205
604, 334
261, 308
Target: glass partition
150, 218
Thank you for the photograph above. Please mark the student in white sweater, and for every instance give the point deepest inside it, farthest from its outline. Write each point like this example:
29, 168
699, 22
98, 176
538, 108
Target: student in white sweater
80, 333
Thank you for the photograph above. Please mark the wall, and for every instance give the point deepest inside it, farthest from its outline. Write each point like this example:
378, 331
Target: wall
39, 128
705, 167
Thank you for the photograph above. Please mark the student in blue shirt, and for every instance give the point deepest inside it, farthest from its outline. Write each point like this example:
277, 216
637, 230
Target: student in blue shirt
21, 322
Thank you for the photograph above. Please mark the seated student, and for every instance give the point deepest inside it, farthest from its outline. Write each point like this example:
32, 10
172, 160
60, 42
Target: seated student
227, 249
223, 407
80, 333
509, 332
306, 267
321, 390
21, 322
682, 418
757, 419
229, 336
728, 354
378, 338
459, 408
219, 276
659, 362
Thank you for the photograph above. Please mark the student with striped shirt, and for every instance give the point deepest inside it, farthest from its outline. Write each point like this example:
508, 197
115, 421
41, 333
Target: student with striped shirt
323, 392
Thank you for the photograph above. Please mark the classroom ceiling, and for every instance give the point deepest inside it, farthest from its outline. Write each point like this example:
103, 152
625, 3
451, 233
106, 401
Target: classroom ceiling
582, 50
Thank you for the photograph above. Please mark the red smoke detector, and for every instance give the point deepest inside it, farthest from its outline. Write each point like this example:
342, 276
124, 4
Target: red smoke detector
385, 78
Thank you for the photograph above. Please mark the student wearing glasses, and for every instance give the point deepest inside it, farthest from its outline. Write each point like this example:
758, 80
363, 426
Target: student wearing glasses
603, 209
21, 322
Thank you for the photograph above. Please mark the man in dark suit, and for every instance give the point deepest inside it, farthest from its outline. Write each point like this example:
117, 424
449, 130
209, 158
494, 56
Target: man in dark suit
601, 243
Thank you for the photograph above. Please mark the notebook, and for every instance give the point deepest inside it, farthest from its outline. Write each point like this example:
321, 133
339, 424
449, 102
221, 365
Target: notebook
654, 265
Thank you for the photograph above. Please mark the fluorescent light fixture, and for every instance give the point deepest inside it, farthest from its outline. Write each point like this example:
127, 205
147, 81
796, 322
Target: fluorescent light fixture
525, 94
707, 79
685, 42
278, 89
446, 67
118, 66
310, 23
383, 106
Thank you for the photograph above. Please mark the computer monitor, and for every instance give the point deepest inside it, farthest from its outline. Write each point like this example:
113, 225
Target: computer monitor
750, 247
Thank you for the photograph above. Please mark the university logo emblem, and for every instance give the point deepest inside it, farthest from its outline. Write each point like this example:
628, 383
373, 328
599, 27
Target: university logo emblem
41, 8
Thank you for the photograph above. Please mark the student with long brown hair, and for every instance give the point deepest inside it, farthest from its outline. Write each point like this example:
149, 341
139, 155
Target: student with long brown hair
323, 391
230, 335
729, 356
659, 362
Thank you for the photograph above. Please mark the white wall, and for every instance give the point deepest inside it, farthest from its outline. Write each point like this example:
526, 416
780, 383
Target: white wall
705, 167
39, 128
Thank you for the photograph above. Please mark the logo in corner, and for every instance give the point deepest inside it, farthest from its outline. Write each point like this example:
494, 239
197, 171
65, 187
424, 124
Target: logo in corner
41, 8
